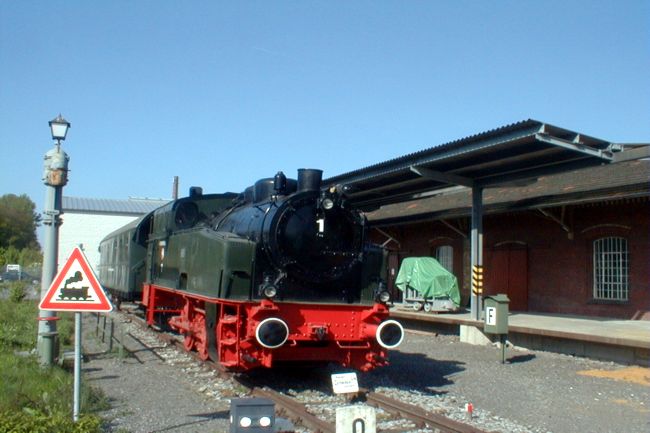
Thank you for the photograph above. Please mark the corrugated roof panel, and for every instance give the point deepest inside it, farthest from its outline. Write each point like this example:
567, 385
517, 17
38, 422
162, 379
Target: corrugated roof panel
111, 206
522, 150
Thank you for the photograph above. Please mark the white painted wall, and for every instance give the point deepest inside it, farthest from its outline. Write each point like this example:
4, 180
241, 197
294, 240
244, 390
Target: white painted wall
89, 230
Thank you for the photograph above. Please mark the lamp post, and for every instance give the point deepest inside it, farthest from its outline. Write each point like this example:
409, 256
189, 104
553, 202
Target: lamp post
55, 177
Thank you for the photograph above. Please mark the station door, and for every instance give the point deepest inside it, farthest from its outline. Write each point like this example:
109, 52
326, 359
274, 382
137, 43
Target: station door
506, 271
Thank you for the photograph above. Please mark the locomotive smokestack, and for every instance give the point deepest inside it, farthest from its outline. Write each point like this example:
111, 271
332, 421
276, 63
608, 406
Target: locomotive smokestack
309, 179
175, 189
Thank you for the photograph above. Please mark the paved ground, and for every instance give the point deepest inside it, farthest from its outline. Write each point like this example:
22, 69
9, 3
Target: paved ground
538, 391
548, 392
149, 393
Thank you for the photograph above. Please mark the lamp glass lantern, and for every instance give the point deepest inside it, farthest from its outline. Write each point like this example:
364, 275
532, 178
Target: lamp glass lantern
59, 127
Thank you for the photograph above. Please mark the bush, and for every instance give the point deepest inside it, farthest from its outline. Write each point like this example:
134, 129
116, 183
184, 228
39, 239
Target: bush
17, 291
32, 398
18, 325
28, 421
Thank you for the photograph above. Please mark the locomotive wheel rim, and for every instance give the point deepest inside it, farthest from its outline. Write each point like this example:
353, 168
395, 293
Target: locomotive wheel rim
200, 337
188, 342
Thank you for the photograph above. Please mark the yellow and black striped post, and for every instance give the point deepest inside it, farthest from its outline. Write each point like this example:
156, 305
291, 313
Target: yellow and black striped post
477, 280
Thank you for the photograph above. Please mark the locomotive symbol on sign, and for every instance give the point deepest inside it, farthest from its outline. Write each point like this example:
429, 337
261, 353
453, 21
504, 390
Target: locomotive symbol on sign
77, 293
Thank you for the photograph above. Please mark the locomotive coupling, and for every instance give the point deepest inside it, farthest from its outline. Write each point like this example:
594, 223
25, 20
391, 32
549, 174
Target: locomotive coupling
272, 333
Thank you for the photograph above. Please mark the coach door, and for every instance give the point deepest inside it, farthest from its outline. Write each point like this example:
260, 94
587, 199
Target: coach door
506, 271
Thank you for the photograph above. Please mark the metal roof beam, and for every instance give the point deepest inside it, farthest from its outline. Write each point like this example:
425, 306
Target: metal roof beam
573, 145
546, 169
442, 177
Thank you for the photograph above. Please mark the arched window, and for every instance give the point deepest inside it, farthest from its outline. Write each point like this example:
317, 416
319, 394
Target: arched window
611, 269
445, 255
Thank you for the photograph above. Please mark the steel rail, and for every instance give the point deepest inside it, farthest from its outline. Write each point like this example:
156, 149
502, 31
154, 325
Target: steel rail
296, 411
418, 415
299, 414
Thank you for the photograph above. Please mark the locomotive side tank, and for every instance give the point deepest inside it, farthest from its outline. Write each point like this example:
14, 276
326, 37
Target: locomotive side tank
279, 273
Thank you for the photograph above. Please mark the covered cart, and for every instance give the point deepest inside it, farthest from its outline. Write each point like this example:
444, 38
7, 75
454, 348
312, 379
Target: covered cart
427, 284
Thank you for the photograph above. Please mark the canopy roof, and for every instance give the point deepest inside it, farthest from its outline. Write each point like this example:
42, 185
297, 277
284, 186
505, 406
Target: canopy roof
516, 153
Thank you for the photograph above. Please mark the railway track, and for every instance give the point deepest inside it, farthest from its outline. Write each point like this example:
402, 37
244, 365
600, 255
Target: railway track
402, 417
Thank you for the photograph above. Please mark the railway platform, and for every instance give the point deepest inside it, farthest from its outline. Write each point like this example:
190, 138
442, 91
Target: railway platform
622, 341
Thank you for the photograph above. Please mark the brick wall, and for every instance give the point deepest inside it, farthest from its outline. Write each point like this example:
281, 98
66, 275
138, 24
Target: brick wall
559, 272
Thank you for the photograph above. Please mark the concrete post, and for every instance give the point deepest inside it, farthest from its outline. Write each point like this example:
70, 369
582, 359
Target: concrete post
55, 176
477, 253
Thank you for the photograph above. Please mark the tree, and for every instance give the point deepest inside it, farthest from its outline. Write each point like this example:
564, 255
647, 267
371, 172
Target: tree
18, 222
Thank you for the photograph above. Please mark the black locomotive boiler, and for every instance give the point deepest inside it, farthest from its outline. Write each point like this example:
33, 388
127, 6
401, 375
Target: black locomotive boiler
279, 273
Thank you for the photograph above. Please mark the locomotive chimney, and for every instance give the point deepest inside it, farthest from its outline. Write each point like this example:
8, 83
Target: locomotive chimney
175, 189
309, 179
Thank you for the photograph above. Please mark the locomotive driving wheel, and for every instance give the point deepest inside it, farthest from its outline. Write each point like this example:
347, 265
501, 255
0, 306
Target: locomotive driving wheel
196, 337
200, 334
189, 341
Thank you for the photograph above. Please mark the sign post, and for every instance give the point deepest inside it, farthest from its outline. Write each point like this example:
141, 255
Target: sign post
77, 367
75, 288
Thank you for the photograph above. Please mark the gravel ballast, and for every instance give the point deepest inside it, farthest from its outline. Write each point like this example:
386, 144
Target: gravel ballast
160, 389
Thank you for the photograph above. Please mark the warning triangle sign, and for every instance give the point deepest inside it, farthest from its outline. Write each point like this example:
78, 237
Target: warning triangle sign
75, 288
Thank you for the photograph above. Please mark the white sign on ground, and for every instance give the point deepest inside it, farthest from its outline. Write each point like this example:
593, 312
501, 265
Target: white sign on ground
344, 383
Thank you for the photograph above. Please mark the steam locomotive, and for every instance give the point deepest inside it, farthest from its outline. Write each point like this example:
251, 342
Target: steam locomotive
279, 273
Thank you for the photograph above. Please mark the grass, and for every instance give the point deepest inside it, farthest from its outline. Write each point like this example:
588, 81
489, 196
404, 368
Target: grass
35, 398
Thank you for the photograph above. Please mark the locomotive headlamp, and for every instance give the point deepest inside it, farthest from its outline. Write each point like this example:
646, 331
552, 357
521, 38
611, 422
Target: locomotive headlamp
268, 288
383, 296
270, 291
381, 293
327, 203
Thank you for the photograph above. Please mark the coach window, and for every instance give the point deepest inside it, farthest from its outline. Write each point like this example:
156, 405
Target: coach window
611, 269
445, 256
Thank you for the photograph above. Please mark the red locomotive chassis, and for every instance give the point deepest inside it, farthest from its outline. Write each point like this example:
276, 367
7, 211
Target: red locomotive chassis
242, 335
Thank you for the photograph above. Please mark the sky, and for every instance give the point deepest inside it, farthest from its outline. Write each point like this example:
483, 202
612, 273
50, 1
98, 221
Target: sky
224, 93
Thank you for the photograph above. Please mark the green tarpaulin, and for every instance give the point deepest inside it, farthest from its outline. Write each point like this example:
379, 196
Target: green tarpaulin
429, 278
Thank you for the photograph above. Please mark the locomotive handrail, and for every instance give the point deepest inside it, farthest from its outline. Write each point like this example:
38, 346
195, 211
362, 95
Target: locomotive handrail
340, 344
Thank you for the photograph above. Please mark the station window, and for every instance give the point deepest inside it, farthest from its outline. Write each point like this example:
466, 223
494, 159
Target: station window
445, 256
611, 269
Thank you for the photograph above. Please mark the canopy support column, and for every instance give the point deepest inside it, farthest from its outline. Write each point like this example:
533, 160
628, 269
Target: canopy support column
476, 254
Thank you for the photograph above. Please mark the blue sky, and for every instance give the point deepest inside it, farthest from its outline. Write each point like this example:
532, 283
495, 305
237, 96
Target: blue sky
224, 93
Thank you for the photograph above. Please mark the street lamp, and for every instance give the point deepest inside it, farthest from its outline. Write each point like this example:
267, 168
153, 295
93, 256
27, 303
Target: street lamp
55, 177
59, 127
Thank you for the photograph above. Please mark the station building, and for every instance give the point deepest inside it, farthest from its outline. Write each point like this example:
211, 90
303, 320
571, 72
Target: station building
572, 243
565, 217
